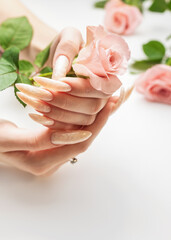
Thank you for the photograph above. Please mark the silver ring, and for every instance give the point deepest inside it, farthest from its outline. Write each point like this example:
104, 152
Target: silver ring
73, 160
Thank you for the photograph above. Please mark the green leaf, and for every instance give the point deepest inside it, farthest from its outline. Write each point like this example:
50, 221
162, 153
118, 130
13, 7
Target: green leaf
26, 68
21, 79
24, 79
169, 5
154, 50
16, 90
8, 74
136, 3
7, 79
100, 4
168, 37
15, 32
11, 55
158, 6
42, 57
144, 64
46, 70
8, 67
168, 61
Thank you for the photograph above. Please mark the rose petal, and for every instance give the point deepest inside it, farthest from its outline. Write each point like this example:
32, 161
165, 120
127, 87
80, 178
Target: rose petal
103, 84
116, 43
92, 60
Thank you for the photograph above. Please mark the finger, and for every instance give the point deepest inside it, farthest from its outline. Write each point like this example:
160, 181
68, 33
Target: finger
79, 87
47, 83
60, 67
89, 106
65, 116
56, 113
64, 101
50, 123
128, 92
15, 139
119, 101
69, 45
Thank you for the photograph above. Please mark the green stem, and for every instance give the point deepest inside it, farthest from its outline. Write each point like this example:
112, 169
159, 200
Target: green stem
71, 73
49, 74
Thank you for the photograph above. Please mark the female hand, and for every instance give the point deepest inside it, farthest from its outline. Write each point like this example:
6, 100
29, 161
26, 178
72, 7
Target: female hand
37, 152
66, 103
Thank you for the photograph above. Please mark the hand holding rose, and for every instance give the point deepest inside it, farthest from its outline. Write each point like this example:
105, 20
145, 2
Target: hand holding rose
71, 102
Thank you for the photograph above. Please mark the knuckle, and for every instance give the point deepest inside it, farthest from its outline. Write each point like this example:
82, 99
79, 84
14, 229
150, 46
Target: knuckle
96, 107
64, 102
33, 143
87, 89
69, 45
60, 115
89, 120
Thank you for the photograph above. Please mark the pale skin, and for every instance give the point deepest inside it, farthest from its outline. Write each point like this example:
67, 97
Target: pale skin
72, 110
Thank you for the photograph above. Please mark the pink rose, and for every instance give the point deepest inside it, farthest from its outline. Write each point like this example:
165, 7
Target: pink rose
121, 18
155, 84
104, 56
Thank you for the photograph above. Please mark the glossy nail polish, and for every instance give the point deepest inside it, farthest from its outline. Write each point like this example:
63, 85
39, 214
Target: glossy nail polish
70, 137
42, 119
36, 92
34, 103
120, 101
60, 67
53, 85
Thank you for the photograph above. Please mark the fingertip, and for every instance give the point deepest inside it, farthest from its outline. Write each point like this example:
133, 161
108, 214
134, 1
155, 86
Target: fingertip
70, 137
60, 67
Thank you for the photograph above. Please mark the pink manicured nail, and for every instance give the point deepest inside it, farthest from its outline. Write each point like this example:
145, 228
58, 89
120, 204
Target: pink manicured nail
36, 92
34, 103
42, 119
53, 85
60, 67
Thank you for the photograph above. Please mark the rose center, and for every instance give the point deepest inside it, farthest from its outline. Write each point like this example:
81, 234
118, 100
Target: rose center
112, 59
164, 92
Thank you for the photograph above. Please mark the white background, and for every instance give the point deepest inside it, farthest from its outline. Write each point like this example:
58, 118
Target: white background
121, 187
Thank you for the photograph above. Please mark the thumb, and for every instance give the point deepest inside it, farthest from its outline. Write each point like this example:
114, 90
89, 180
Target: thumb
17, 139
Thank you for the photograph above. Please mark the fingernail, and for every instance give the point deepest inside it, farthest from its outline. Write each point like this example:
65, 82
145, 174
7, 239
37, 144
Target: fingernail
60, 67
120, 101
53, 85
70, 137
34, 103
128, 93
42, 119
36, 92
